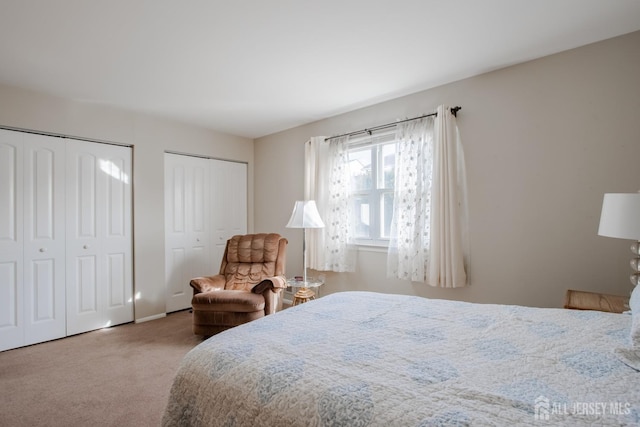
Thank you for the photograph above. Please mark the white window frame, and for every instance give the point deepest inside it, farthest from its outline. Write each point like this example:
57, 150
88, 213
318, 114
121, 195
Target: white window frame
375, 194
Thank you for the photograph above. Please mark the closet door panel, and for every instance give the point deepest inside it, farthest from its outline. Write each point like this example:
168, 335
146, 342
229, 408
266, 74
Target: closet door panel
116, 279
176, 276
187, 227
11, 331
176, 233
83, 193
42, 181
199, 198
237, 220
44, 237
177, 197
115, 168
84, 312
43, 274
220, 233
99, 251
200, 264
10, 189
117, 194
199, 226
229, 191
11, 241
86, 284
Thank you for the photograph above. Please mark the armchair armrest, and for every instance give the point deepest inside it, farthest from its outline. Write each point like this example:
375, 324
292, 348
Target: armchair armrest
206, 284
274, 283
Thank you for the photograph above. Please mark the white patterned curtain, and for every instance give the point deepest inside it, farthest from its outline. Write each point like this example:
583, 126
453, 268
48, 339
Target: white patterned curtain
429, 227
408, 252
327, 182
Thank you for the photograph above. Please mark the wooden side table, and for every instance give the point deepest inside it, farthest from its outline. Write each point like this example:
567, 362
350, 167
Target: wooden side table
305, 290
582, 300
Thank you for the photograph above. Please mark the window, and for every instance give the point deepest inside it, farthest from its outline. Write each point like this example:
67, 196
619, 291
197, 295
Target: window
372, 179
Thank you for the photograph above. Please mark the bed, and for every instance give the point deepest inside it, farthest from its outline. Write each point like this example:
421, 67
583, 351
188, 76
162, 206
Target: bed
370, 359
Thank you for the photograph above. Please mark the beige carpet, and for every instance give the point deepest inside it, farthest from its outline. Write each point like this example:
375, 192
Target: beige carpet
119, 376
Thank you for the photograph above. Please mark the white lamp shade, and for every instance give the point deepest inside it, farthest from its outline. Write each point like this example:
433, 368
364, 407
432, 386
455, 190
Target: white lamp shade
305, 215
620, 216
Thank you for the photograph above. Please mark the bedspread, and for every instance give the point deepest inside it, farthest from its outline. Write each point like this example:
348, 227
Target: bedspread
362, 358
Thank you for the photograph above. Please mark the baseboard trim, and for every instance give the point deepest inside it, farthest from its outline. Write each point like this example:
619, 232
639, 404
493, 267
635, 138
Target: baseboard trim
154, 317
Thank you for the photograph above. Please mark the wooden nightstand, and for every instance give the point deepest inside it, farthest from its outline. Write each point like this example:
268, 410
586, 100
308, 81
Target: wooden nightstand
582, 300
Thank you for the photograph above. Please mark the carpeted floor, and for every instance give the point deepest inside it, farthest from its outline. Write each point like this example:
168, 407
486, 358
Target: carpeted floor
119, 376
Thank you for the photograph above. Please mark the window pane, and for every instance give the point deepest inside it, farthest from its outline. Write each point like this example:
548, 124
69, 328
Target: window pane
360, 216
360, 169
386, 212
388, 165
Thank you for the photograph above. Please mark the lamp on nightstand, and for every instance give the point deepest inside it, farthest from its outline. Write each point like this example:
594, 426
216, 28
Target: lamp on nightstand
305, 215
620, 218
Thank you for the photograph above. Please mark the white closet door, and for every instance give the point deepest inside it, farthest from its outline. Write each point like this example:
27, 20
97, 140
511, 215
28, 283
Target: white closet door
44, 238
187, 227
117, 248
229, 201
32, 239
11, 241
99, 260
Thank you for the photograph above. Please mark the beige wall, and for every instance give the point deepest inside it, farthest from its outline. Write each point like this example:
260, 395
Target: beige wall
150, 137
543, 142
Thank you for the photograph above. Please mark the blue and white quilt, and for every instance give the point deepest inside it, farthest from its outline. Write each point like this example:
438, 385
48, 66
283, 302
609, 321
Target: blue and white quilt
369, 359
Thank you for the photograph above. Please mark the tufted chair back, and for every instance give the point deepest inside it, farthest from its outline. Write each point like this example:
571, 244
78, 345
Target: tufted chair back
250, 258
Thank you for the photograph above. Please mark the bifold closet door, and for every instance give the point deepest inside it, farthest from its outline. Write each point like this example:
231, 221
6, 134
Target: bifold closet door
11, 241
229, 198
32, 239
205, 204
99, 250
44, 238
187, 227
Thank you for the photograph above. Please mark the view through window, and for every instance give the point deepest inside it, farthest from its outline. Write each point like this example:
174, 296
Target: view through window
372, 180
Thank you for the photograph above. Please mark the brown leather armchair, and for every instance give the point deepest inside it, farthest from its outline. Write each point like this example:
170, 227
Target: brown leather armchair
249, 286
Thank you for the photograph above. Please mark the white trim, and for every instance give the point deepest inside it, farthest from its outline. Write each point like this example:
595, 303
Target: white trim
154, 317
372, 248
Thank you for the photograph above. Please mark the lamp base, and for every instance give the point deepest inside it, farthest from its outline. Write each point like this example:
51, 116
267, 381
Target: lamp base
635, 264
303, 295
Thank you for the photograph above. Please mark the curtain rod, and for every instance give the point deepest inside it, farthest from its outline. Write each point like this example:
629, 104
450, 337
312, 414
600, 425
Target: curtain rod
454, 111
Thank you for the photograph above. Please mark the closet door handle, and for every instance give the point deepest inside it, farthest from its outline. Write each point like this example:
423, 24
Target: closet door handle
85, 247
43, 249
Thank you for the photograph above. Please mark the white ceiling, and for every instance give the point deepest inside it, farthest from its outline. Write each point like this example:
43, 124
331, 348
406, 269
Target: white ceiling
255, 67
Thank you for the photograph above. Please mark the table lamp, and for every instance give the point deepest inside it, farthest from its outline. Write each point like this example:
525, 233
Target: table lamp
305, 215
620, 218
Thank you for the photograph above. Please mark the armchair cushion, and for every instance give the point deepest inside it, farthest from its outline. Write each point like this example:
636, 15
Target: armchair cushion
227, 300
